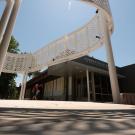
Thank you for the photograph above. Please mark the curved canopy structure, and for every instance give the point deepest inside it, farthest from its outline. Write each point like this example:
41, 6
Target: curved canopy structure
74, 45
69, 47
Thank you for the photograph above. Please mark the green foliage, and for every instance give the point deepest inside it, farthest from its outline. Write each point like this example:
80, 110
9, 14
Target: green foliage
7, 81
14, 46
13, 92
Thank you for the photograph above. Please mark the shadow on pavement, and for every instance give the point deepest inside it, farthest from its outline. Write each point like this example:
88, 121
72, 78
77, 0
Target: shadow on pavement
66, 122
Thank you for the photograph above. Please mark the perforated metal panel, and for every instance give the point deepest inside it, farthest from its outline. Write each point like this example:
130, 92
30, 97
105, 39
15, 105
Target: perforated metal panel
17, 63
69, 47
103, 4
72, 46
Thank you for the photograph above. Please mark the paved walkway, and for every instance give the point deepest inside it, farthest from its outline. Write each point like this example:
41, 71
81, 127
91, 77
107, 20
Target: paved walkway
62, 105
65, 118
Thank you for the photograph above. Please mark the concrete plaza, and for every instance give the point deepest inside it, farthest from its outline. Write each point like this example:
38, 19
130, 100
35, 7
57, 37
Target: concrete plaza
65, 118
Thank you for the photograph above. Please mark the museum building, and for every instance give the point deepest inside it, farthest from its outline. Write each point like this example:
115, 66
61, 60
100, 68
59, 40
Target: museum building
82, 79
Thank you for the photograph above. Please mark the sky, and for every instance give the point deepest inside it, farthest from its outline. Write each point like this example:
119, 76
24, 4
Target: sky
41, 21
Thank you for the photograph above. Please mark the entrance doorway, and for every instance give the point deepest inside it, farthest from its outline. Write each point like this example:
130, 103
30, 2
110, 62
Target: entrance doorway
80, 92
103, 88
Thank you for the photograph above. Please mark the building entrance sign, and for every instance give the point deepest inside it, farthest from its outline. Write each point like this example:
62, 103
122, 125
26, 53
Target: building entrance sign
74, 45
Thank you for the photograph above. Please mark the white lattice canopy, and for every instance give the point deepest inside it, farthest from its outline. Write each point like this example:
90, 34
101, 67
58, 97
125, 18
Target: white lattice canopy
69, 47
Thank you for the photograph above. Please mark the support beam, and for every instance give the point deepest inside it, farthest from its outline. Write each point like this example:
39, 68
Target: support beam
52, 90
111, 63
81, 90
8, 32
88, 84
93, 86
70, 87
5, 17
23, 86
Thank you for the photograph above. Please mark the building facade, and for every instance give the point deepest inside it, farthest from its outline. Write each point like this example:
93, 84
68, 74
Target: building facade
82, 79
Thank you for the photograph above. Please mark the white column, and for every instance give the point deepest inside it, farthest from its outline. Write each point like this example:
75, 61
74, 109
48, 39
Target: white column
7, 36
70, 87
5, 17
88, 84
111, 63
93, 86
23, 86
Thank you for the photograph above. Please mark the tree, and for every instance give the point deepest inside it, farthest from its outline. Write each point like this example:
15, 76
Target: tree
7, 81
